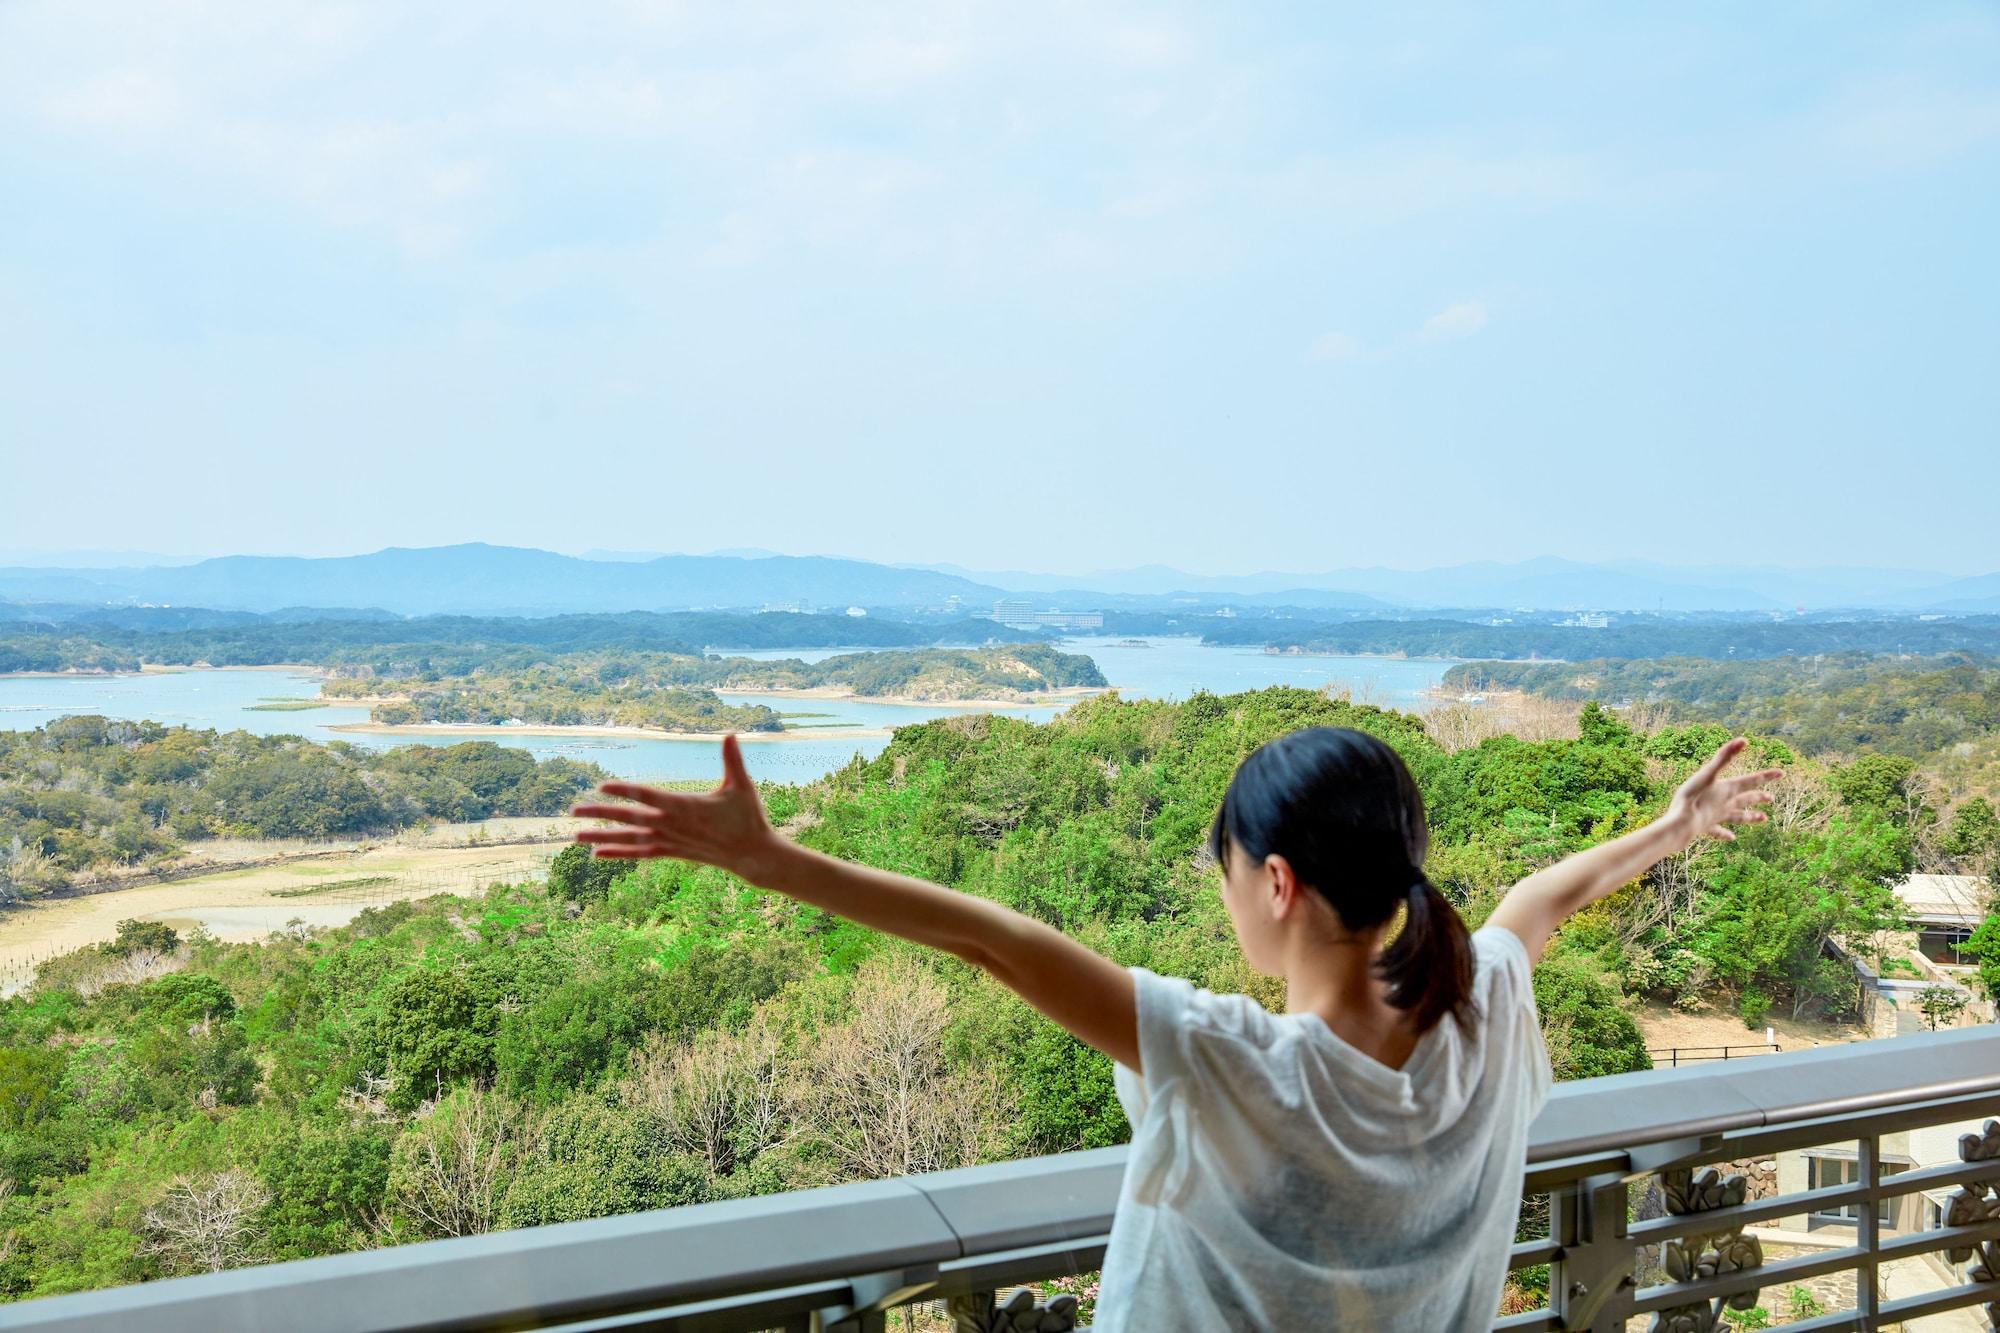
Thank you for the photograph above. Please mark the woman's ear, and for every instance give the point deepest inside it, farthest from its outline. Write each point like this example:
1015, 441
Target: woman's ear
1281, 887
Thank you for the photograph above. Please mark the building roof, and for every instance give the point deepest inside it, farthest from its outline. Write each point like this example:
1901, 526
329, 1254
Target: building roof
1960, 896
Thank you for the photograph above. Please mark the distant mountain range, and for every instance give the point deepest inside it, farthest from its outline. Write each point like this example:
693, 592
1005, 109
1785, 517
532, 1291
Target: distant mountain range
479, 579
1546, 584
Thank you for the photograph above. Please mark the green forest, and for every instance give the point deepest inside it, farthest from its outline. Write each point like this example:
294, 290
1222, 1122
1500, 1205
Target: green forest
1653, 637
619, 1039
123, 640
1839, 702
87, 793
1939, 715
676, 692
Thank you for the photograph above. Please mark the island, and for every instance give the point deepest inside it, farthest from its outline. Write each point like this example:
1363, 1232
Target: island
679, 693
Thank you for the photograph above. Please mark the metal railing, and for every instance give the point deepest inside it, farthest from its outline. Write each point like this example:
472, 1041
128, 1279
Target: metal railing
840, 1258
1673, 1057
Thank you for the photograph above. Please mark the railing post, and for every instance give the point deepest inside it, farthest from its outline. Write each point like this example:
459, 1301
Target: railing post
1868, 1232
872, 1295
1590, 1282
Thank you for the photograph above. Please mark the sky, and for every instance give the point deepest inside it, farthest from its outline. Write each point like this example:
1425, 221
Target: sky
1012, 285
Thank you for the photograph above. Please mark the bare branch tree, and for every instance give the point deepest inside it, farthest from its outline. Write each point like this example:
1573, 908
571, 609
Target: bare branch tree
1799, 804
449, 1169
880, 1094
1459, 725
719, 1097
10, 1240
1668, 898
208, 1223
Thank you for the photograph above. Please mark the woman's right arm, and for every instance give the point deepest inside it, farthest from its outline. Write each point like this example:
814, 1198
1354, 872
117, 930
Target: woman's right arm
1085, 992
1706, 804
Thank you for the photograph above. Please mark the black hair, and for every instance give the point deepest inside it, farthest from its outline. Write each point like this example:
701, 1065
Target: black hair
1341, 807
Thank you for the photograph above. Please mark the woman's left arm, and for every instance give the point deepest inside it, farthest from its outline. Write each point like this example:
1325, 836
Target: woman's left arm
1704, 807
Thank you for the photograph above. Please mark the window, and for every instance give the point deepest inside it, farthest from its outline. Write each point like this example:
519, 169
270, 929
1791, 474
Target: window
1826, 1172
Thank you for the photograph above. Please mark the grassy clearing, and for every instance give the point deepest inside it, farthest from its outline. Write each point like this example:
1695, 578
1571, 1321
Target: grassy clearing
286, 706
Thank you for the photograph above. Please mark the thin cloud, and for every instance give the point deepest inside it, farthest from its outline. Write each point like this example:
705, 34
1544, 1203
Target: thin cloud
1333, 347
1456, 321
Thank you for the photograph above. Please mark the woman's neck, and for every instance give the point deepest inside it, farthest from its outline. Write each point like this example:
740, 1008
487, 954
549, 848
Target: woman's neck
1333, 975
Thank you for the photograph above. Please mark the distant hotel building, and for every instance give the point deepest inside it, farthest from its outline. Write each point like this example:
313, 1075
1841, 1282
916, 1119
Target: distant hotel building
1019, 613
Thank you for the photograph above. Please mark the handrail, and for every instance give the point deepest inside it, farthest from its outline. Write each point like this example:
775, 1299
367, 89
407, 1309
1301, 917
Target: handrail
816, 1258
1676, 1056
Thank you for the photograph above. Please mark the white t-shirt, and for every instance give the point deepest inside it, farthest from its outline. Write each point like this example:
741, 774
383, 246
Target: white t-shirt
1281, 1179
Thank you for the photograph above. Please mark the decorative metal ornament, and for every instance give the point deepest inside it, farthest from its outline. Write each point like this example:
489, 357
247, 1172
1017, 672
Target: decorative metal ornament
978, 1313
1706, 1254
1974, 1204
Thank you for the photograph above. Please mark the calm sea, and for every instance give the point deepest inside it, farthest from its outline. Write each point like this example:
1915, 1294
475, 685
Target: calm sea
1163, 668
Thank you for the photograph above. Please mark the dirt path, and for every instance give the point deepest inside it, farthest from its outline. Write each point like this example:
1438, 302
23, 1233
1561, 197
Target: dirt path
1666, 1028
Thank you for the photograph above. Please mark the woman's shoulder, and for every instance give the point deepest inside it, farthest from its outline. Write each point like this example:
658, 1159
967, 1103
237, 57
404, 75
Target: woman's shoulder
1194, 1013
1500, 963
1496, 946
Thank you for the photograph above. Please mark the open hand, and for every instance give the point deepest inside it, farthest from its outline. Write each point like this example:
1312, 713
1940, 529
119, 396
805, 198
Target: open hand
1707, 803
725, 827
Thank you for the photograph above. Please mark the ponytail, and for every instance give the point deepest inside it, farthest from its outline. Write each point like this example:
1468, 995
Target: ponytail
1342, 808
1429, 964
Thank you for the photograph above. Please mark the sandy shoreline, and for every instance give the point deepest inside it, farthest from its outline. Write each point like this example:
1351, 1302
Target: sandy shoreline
815, 694
164, 669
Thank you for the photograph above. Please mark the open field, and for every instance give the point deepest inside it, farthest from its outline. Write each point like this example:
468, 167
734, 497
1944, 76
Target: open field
251, 902
212, 854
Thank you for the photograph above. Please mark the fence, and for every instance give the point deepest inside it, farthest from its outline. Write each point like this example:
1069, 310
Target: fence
840, 1258
1673, 1057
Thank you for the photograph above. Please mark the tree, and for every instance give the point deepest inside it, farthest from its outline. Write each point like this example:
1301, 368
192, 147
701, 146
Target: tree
326, 1180
144, 936
1983, 948
1974, 830
30, 1080
719, 1098
1596, 725
572, 1034
1584, 1023
591, 1157
207, 1223
27, 871
881, 1098
435, 1028
1885, 783
581, 878
449, 1170
1775, 903
1940, 1005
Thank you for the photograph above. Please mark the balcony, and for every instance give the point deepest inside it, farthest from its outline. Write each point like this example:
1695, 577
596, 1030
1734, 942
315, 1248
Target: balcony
1605, 1154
